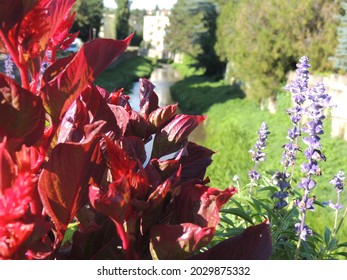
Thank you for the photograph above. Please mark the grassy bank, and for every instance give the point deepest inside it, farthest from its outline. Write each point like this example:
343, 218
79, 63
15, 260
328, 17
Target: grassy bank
126, 73
231, 130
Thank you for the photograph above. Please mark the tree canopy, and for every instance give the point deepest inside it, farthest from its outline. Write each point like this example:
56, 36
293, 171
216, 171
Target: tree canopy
263, 39
88, 19
192, 31
122, 19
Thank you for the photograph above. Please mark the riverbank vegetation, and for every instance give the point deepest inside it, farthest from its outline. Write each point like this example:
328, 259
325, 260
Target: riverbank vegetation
126, 73
231, 130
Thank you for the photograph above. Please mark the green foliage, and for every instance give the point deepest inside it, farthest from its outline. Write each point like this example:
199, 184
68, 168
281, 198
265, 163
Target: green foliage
89, 15
126, 73
262, 40
136, 26
122, 19
192, 31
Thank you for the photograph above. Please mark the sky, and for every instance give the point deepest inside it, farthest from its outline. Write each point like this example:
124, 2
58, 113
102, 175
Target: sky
144, 4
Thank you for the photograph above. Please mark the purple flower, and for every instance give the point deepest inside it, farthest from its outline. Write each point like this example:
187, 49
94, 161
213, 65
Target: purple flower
307, 184
308, 205
336, 206
280, 179
303, 232
9, 65
338, 181
253, 175
257, 151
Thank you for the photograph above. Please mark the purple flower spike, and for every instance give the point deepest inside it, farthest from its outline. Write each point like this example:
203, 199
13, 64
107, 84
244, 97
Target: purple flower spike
338, 181
303, 232
257, 151
9, 65
336, 206
253, 175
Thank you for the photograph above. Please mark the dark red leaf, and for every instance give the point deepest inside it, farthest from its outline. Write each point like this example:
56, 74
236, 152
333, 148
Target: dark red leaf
60, 90
12, 12
22, 116
253, 244
199, 204
7, 171
63, 184
115, 202
134, 148
174, 134
161, 115
170, 242
195, 162
138, 126
116, 117
160, 196
148, 98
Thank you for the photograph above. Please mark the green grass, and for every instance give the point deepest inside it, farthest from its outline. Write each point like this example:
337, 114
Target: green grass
231, 130
202, 93
126, 73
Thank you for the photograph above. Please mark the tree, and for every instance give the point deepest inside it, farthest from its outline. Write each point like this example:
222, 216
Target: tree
89, 15
136, 25
192, 31
122, 19
263, 39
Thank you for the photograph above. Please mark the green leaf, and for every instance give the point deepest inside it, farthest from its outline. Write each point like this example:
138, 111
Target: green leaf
238, 212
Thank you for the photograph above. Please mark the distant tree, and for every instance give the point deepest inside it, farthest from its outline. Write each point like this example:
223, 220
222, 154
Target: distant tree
136, 25
88, 20
263, 39
192, 31
122, 19
340, 58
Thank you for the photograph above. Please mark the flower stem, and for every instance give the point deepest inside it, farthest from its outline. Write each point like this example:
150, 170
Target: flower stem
336, 214
341, 221
22, 67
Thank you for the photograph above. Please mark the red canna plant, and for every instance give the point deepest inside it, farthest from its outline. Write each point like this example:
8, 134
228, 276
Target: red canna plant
71, 151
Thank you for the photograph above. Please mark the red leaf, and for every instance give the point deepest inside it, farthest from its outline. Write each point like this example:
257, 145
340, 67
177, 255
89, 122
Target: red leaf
134, 147
178, 241
253, 244
22, 116
161, 195
116, 117
60, 90
148, 98
115, 202
199, 204
63, 184
195, 162
7, 171
12, 12
161, 115
174, 134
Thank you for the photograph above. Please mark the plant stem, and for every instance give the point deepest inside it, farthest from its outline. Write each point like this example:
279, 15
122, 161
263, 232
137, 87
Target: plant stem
341, 221
302, 224
22, 67
336, 214
129, 254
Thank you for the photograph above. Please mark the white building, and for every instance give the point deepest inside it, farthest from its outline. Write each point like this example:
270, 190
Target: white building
154, 33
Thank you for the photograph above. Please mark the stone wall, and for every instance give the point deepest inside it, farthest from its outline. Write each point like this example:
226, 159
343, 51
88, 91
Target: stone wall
336, 86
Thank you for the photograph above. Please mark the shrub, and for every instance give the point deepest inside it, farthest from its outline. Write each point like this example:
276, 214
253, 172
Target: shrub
76, 181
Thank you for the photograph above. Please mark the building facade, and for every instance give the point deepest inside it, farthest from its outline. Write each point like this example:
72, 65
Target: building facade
154, 25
